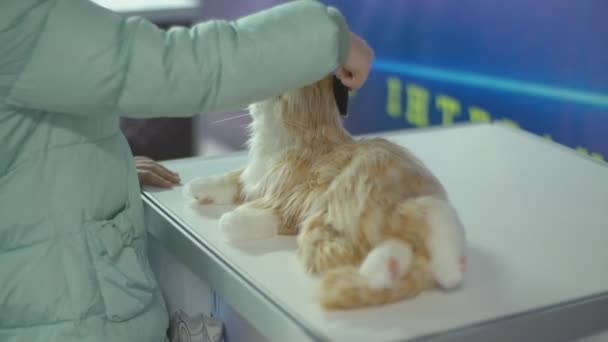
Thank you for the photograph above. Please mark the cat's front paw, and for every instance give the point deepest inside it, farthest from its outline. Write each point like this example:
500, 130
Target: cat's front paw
212, 190
247, 223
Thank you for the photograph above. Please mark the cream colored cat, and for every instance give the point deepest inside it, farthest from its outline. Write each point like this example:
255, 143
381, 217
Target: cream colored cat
371, 220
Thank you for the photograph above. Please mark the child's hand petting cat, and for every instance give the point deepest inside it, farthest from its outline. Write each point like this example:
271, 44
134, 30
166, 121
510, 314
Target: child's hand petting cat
152, 173
356, 69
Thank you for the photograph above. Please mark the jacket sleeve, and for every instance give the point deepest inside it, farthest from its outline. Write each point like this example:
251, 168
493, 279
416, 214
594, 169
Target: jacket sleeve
90, 61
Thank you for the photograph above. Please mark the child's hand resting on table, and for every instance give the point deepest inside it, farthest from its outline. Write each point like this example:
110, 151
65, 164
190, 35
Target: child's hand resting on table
152, 173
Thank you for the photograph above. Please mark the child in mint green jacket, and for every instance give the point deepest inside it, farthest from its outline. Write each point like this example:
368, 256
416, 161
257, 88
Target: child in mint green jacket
73, 265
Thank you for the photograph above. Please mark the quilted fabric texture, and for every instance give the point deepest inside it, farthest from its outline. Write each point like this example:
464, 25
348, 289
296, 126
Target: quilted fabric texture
72, 237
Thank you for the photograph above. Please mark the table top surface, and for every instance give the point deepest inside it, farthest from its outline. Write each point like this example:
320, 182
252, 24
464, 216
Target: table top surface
147, 5
172, 12
536, 216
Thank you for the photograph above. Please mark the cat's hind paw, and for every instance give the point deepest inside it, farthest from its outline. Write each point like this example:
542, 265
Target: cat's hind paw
386, 264
446, 244
211, 190
247, 223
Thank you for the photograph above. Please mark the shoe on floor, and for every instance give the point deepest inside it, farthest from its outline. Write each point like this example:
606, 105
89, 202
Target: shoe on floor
200, 328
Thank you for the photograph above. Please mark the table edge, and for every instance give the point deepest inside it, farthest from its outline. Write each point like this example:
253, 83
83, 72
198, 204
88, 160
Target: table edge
233, 287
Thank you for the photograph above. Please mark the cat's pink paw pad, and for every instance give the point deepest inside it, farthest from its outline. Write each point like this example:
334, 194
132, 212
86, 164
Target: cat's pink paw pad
463, 264
393, 269
386, 264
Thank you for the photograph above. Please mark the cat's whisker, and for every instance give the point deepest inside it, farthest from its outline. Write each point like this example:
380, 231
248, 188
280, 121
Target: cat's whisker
230, 118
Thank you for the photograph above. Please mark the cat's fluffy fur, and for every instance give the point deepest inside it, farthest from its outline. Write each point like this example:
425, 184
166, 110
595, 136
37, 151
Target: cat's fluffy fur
371, 220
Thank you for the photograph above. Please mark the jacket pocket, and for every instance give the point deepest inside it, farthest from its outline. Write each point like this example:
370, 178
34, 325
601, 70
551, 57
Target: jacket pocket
117, 250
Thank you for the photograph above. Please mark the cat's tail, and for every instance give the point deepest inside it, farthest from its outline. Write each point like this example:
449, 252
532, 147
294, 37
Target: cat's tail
426, 248
348, 288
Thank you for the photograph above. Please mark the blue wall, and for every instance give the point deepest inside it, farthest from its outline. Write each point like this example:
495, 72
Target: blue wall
540, 65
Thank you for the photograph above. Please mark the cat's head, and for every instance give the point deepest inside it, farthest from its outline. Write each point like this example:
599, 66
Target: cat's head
311, 108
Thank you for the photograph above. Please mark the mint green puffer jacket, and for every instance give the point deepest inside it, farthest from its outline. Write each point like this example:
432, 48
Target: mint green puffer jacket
73, 265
